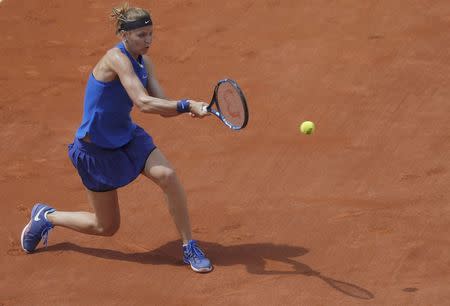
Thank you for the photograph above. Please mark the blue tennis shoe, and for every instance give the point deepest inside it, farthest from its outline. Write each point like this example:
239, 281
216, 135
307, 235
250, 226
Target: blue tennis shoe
37, 229
194, 256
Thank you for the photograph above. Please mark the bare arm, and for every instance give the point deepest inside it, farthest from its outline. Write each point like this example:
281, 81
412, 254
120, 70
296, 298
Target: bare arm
121, 65
153, 86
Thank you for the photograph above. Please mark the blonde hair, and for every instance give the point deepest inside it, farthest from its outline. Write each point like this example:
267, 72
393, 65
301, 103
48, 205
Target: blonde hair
125, 13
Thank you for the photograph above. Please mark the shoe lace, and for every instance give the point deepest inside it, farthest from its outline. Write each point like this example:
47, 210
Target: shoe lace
44, 235
194, 251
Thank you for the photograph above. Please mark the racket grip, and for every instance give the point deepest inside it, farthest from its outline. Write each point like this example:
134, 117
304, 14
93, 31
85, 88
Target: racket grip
205, 108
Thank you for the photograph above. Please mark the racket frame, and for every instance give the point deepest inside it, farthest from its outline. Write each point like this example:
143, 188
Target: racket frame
218, 112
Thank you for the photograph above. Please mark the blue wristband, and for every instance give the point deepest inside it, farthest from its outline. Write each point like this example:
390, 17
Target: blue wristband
183, 106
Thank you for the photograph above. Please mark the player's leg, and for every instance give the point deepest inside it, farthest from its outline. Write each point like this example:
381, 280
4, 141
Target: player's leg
159, 170
104, 221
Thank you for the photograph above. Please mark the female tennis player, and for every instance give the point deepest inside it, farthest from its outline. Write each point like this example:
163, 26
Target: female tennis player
110, 151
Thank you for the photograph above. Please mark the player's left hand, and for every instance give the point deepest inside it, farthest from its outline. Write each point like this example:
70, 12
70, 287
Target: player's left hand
198, 109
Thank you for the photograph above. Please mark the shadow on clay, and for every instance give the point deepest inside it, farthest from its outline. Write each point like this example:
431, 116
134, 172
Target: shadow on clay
253, 256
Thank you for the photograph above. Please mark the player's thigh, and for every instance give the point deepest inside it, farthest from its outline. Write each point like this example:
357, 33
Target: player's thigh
106, 207
158, 168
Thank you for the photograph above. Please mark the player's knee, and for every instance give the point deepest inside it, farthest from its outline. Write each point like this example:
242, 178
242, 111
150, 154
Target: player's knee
167, 178
108, 230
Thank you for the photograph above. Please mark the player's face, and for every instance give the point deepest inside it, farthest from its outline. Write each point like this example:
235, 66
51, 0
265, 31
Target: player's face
139, 40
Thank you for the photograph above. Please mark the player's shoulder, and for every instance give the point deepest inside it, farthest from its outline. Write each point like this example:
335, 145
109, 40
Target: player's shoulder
115, 57
115, 53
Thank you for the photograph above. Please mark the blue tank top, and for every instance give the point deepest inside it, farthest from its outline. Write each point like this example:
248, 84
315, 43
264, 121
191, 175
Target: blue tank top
107, 108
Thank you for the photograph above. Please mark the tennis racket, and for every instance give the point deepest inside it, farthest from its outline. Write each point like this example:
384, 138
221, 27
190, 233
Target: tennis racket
229, 105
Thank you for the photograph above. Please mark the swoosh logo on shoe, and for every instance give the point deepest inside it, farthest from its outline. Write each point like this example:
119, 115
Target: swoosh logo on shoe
36, 218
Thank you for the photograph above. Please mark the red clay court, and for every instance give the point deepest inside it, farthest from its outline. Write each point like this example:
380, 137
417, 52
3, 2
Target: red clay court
356, 214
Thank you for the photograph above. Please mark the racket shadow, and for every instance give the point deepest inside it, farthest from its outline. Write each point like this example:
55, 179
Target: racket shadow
253, 256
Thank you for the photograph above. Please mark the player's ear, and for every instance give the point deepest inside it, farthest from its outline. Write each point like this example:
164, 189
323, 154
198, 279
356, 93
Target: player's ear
123, 35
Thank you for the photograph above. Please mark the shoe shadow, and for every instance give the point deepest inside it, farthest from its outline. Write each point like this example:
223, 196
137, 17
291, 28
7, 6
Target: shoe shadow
252, 256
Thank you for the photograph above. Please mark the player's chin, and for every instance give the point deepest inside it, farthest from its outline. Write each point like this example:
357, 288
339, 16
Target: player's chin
145, 50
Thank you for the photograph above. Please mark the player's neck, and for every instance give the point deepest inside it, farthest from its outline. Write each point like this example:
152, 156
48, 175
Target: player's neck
134, 55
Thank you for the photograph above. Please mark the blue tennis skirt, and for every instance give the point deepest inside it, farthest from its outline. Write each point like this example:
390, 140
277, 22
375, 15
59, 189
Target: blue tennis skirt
103, 169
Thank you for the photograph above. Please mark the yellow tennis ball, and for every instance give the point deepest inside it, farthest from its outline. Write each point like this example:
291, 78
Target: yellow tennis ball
307, 127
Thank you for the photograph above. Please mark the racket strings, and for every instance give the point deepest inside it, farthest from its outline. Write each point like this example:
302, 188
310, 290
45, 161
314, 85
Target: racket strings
231, 104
